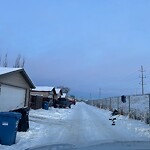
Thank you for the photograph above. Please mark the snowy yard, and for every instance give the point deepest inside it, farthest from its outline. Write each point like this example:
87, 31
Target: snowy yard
82, 124
138, 106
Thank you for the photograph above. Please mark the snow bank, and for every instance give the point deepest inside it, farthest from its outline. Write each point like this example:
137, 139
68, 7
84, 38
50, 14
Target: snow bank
135, 106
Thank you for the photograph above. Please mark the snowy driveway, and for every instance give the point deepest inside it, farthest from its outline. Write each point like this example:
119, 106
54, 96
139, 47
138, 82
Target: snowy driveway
83, 124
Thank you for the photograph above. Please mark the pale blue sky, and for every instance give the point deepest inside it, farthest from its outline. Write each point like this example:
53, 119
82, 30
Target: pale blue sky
82, 44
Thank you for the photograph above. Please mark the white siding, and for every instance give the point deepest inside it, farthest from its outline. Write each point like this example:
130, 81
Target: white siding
11, 97
16, 79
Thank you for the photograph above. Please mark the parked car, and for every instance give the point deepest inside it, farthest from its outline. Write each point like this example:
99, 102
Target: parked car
62, 103
72, 101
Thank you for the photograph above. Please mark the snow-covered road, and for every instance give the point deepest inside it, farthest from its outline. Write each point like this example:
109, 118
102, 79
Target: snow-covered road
88, 124
82, 124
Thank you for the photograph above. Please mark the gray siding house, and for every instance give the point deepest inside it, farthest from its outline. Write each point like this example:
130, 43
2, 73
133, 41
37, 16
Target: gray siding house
15, 87
45, 91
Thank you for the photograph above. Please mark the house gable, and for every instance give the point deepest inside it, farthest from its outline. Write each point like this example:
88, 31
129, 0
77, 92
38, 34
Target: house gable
17, 75
14, 79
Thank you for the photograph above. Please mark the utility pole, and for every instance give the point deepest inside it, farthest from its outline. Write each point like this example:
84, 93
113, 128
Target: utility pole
99, 93
90, 96
142, 79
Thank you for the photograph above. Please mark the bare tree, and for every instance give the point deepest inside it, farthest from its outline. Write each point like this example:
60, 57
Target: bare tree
64, 89
23, 62
5, 62
19, 63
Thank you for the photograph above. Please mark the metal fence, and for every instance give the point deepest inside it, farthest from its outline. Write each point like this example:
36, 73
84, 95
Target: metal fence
135, 106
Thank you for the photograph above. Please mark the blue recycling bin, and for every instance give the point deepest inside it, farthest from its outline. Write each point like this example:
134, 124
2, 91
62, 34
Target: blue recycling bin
45, 105
8, 127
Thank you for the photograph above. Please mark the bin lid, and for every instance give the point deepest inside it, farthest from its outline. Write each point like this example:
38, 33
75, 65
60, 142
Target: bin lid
23, 109
11, 114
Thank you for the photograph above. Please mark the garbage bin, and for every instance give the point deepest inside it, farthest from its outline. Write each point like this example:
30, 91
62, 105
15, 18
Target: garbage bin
24, 121
45, 105
8, 127
123, 99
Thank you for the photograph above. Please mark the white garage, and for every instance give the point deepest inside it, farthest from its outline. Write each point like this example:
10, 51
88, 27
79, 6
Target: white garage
15, 88
14, 97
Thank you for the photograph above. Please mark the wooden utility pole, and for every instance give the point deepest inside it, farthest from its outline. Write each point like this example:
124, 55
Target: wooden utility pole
142, 79
99, 93
90, 96
149, 111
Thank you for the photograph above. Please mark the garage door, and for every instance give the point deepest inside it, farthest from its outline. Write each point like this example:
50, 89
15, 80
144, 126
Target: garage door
11, 97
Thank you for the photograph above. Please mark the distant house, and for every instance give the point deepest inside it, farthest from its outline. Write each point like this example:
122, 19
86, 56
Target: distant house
63, 95
15, 87
58, 93
45, 91
40, 94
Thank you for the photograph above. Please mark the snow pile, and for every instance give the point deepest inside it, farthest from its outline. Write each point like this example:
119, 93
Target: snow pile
44, 125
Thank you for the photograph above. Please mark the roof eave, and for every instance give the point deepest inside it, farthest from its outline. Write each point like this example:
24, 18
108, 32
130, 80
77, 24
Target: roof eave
24, 74
32, 86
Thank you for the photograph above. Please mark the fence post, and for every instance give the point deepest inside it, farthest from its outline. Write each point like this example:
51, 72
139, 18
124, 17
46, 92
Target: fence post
118, 103
92, 103
149, 110
129, 105
110, 104
99, 103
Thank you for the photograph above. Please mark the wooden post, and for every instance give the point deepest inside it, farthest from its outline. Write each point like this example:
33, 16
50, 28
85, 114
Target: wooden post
118, 103
129, 105
110, 104
149, 110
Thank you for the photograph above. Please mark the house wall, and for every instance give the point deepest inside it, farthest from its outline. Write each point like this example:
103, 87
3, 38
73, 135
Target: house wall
56, 96
17, 80
44, 94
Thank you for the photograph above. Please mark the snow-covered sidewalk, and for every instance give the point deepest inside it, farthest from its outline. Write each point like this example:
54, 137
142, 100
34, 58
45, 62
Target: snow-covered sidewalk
79, 125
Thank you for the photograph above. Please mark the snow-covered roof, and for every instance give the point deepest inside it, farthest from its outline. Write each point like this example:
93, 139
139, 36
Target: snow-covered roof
57, 90
43, 88
37, 95
5, 70
63, 95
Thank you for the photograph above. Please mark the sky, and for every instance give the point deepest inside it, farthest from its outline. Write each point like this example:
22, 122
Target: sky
94, 47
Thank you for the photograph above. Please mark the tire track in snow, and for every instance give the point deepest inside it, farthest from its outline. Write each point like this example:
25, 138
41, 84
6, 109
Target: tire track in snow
88, 124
